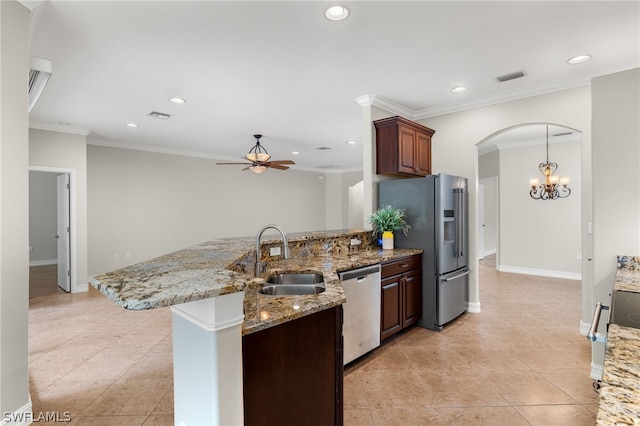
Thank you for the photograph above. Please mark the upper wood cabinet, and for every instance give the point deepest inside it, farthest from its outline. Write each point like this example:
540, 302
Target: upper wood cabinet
402, 147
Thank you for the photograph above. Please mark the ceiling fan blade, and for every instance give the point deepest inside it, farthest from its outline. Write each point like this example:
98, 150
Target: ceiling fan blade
281, 162
277, 167
246, 168
234, 164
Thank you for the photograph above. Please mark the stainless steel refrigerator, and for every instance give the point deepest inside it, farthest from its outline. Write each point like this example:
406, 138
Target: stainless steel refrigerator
436, 209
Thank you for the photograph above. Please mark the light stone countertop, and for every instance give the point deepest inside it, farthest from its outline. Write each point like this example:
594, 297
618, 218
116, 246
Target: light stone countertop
620, 390
219, 267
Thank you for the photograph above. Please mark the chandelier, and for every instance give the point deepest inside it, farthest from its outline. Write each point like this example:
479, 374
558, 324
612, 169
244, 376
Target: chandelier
553, 187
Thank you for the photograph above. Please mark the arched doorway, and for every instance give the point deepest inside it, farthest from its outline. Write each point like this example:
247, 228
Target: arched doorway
528, 236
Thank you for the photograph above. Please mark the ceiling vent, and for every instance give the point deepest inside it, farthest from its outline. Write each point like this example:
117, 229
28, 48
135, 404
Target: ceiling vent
323, 148
39, 72
512, 76
159, 115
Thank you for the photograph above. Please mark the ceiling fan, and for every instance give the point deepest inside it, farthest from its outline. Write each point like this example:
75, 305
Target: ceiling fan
258, 158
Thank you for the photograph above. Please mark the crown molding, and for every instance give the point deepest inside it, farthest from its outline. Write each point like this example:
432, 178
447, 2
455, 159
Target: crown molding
385, 104
58, 128
512, 95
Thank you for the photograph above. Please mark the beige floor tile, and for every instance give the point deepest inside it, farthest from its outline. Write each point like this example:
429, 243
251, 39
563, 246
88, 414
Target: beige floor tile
159, 420
70, 396
480, 416
165, 406
460, 388
107, 365
525, 387
107, 421
358, 418
574, 382
405, 416
354, 397
154, 365
388, 388
561, 415
129, 397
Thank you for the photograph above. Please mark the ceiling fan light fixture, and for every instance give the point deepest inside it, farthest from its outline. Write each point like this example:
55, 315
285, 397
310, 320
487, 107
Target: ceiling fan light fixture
257, 154
258, 169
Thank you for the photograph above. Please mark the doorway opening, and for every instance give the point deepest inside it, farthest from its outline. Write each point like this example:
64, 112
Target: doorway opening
529, 236
52, 231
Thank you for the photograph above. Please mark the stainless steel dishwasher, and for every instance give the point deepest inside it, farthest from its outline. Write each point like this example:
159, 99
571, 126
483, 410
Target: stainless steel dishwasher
361, 328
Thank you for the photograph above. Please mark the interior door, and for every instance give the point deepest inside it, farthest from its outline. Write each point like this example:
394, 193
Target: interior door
64, 268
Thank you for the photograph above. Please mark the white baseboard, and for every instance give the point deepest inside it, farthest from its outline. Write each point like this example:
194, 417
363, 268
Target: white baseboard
584, 328
489, 252
473, 307
43, 262
22, 417
82, 288
596, 371
540, 272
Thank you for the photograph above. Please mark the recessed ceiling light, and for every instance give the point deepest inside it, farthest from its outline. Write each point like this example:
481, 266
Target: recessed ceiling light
351, 142
578, 59
337, 13
132, 125
458, 89
295, 152
178, 100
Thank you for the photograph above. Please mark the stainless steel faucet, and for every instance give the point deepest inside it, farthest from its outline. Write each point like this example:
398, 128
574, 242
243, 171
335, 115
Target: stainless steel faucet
259, 266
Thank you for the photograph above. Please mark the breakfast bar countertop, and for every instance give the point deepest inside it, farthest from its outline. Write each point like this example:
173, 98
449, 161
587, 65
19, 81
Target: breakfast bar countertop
220, 267
620, 390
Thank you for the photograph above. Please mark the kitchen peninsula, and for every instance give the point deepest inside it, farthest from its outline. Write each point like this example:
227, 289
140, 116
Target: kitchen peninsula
620, 391
215, 300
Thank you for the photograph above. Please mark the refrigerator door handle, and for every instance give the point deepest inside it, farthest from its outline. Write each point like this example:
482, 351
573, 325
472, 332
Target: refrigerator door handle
456, 276
458, 243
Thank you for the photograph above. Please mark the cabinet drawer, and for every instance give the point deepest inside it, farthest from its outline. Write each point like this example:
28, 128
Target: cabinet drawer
399, 266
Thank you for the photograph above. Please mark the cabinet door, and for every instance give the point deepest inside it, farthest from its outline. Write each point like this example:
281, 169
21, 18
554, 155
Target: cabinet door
423, 154
390, 303
406, 149
412, 300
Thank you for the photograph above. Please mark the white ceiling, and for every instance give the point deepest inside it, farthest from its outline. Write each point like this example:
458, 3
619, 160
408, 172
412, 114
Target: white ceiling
283, 70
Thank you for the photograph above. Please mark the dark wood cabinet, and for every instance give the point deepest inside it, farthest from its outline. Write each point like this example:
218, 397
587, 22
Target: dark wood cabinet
401, 297
402, 147
293, 372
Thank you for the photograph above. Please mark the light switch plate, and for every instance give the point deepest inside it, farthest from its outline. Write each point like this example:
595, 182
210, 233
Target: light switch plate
274, 251
355, 242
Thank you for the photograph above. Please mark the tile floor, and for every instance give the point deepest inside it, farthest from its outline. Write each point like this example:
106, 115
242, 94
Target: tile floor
520, 362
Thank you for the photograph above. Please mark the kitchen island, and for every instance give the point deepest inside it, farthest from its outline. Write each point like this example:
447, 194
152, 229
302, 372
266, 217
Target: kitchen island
620, 390
215, 300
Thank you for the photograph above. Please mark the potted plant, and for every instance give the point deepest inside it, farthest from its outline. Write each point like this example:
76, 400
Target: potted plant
385, 221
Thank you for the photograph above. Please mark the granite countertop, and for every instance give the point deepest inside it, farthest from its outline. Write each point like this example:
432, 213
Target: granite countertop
220, 267
620, 391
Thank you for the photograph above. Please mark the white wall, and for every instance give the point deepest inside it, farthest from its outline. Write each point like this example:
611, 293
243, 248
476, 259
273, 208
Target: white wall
337, 198
454, 148
43, 216
539, 237
616, 181
67, 151
149, 204
14, 210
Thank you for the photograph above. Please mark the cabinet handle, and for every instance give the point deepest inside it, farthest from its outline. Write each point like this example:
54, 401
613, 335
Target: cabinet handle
404, 265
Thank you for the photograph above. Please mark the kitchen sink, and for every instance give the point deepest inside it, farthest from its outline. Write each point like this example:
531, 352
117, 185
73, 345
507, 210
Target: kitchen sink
294, 284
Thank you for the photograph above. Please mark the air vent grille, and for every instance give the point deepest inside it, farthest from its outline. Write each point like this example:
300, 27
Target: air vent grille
512, 76
39, 72
159, 115
323, 148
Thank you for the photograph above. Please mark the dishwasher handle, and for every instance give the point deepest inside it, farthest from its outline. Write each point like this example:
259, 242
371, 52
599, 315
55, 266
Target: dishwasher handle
596, 320
359, 274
